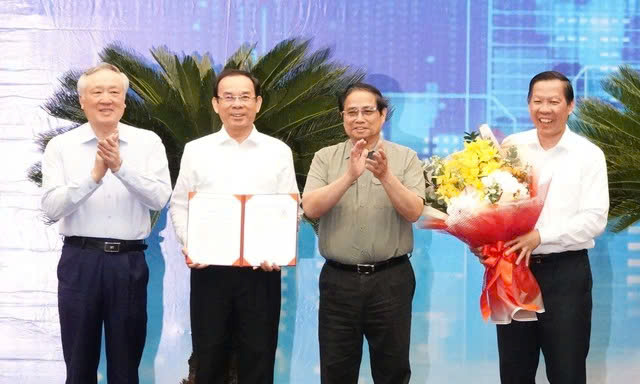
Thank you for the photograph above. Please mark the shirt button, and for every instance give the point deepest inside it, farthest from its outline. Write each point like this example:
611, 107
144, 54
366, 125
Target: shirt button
363, 228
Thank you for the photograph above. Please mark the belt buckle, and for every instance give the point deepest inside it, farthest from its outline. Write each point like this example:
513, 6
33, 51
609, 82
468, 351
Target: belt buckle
111, 247
365, 269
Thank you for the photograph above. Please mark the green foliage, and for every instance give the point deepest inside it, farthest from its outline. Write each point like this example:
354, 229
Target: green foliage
616, 130
512, 158
432, 168
470, 136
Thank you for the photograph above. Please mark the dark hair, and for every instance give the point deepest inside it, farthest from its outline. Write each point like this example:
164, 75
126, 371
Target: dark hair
381, 102
552, 75
236, 72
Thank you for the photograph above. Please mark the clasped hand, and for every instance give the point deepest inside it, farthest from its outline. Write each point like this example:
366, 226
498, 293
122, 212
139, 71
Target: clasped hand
109, 151
358, 161
107, 157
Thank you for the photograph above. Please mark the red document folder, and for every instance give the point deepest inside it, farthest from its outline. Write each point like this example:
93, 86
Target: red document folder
242, 230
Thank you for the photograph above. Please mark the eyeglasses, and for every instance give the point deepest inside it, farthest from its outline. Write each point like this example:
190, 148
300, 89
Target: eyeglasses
229, 99
352, 114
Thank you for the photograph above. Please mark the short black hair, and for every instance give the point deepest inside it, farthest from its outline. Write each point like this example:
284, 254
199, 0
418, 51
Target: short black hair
381, 102
236, 72
552, 75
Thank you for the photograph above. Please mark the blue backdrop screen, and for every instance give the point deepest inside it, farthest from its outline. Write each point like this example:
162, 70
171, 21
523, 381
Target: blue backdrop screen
446, 66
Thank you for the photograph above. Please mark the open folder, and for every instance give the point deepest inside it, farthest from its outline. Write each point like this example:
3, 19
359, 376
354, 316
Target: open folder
242, 230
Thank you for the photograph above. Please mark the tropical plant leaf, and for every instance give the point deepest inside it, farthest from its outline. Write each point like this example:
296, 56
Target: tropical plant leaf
65, 104
275, 64
616, 130
241, 59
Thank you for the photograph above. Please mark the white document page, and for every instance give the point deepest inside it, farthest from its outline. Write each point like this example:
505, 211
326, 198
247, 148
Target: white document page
213, 229
270, 229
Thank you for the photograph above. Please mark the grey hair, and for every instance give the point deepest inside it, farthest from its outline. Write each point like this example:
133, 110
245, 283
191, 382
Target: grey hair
82, 81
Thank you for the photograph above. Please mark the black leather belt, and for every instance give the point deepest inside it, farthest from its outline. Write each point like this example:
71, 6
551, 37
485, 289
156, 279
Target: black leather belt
367, 269
106, 245
551, 257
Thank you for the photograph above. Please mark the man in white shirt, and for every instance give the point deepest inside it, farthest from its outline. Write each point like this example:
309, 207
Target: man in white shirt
100, 181
241, 302
574, 213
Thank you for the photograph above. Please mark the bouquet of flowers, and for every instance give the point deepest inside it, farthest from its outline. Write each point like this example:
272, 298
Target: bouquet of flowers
490, 197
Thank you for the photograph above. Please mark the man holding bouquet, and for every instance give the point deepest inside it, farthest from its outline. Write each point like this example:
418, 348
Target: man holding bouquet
574, 213
366, 193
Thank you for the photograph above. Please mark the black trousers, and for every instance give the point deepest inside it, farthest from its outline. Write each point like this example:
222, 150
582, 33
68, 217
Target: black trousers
96, 288
562, 332
375, 306
240, 303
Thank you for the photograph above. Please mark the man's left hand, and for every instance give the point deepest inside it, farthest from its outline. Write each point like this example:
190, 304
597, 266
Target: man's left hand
378, 164
525, 244
268, 267
109, 150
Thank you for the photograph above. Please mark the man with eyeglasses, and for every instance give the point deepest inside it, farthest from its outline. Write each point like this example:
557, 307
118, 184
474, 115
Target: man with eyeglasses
242, 303
366, 193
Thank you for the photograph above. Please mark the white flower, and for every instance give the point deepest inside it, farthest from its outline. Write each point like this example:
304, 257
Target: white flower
467, 203
509, 186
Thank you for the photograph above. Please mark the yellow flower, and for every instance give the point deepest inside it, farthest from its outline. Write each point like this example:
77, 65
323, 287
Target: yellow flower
465, 168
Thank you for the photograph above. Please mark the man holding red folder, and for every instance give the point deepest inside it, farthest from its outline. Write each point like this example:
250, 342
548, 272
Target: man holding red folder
243, 302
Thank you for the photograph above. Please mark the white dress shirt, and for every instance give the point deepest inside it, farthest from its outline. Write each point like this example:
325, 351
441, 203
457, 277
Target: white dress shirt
217, 163
577, 203
116, 207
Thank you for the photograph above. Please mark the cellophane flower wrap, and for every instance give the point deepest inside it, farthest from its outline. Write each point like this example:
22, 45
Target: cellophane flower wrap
490, 197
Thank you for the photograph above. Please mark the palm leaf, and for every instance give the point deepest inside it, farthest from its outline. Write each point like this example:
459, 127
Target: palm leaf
241, 59
275, 64
616, 130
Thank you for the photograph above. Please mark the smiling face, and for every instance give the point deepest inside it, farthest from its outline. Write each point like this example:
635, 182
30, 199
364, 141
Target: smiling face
362, 124
549, 110
237, 115
102, 99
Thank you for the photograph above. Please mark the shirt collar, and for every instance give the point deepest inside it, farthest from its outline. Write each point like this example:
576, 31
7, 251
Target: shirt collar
348, 145
124, 132
564, 142
87, 134
222, 136
566, 139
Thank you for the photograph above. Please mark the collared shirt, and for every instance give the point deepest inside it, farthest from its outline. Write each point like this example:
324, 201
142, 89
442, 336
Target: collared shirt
217, 163
575, 210
116, 207
364, 227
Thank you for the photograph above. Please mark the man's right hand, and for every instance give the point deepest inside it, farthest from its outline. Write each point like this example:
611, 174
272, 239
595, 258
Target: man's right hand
357, 159
99, 169
190, 263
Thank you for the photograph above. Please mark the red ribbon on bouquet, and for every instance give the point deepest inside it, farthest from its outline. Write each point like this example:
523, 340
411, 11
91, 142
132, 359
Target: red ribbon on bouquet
504, 281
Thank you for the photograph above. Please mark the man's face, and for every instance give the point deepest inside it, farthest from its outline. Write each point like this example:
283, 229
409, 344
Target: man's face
237, 114
548, 108
103, 98
361, 118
